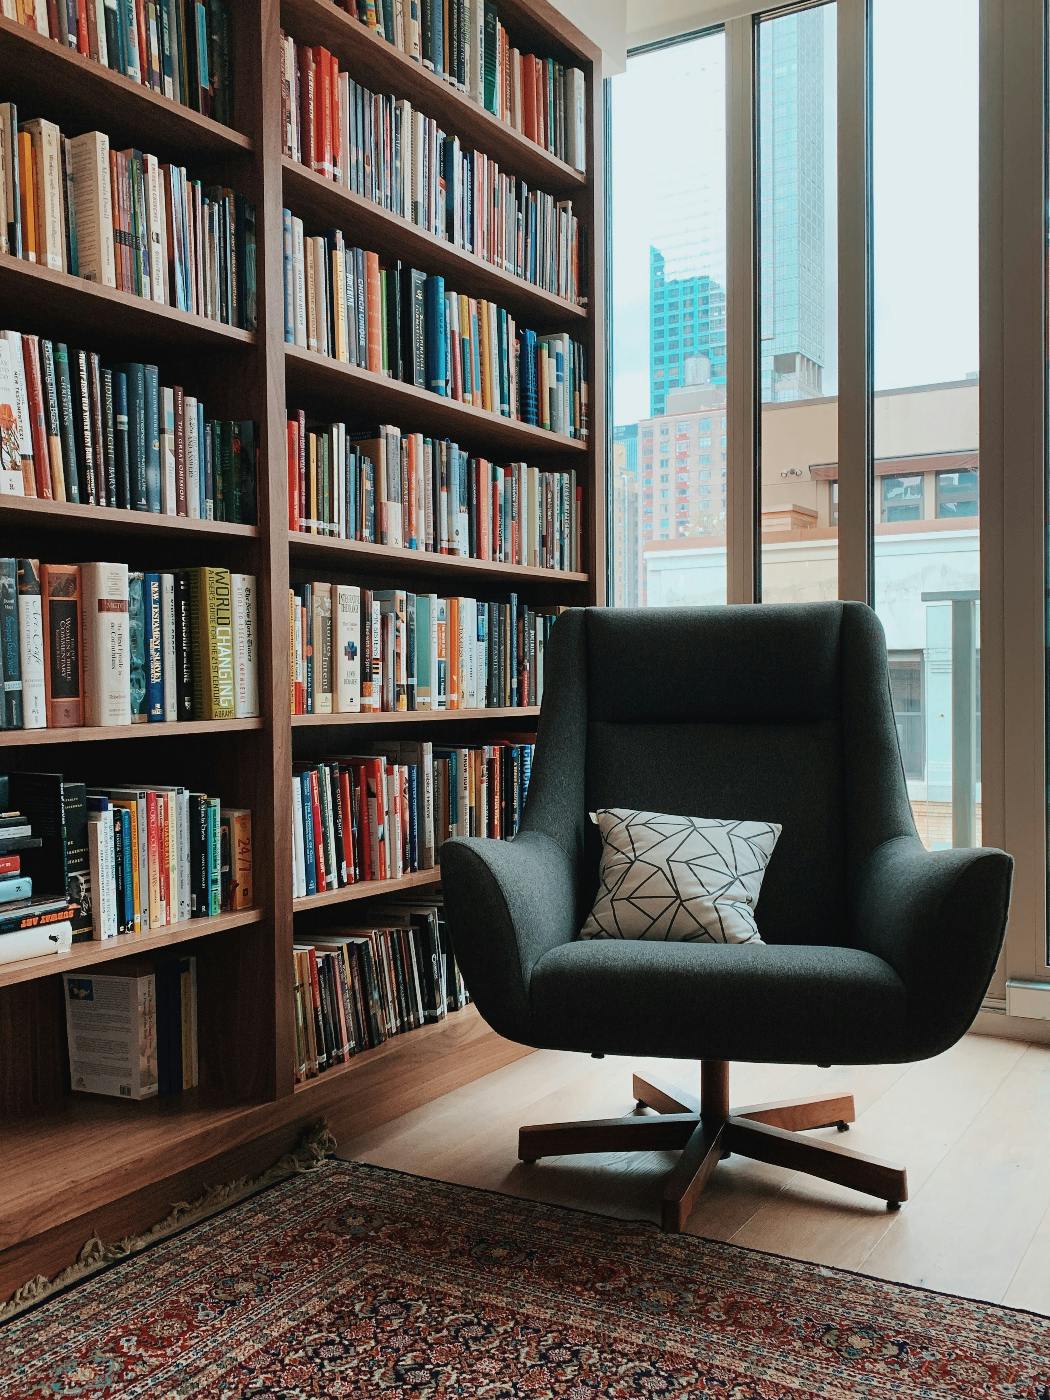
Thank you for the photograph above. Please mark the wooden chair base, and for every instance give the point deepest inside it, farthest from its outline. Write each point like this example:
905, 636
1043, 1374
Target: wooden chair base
705, 1130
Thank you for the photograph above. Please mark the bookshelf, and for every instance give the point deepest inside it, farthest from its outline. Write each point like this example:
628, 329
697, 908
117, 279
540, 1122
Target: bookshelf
124, 1162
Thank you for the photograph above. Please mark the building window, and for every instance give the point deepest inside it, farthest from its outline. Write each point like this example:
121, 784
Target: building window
956, 494
901, 498
833, 510
906, 690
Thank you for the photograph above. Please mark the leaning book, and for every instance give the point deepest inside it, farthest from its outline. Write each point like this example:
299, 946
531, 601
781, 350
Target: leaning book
111, 1026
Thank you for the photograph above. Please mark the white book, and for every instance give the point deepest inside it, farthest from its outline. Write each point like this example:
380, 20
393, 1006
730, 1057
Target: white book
111, 1027
346, 647
298, 853
103, 870
322, 621
31, 645
9, 198
299, 273
48, 186
168, 487
167, 634
12, 477
412, 30
576, 119
193, 461
93, 207
245, 609
5, 159
100, 26
344, 129
36, 942
156, 216
468, 616
107, 669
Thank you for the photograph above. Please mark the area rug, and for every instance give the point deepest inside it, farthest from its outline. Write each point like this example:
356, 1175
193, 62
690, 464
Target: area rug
351, 1281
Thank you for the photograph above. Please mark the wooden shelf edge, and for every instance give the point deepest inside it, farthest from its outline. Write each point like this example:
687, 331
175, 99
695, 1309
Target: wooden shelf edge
427, 561
366, 889
124, 945
326, 202
431, 412
376, 62
116, 310
370, 717
33, 510
106, 86
84, 734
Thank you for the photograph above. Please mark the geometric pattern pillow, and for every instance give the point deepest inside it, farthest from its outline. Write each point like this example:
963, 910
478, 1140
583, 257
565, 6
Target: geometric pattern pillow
684, 879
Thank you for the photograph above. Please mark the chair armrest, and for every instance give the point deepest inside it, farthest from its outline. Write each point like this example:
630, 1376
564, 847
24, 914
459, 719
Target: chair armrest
508, 903
938, 918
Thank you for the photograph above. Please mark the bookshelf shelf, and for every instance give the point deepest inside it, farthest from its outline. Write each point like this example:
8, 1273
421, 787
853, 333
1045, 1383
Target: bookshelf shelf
84, 309
367, 889
375, 62
75, 88
30, 512
326, 204
85, 734
121, 1164
384, 558
92, 954
318, 377
526, 714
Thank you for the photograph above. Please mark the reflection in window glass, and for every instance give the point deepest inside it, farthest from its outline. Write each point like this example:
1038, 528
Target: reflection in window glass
925, 201
668, 253
798, 305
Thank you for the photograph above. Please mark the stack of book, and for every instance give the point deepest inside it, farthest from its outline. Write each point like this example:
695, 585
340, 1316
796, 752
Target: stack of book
130, 859
180, 48
416, 492
356, 987
98, 644
386, 649
75, 429
331, 124
401, 322
125, 219
36, 915
385, 814
465, 42
132, 1030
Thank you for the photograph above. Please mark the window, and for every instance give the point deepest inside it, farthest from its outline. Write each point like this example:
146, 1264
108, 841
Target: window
901, 498
668, 262
956, 494
906, 690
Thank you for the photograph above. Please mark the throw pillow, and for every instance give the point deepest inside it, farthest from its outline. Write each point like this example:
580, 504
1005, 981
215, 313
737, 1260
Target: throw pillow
684, 879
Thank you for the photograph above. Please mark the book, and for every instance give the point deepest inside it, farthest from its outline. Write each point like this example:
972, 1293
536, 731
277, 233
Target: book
102, 867
35, 941
212, 648
245, 623
63, 647
107, 676
11, 708
111, 1027
31, 644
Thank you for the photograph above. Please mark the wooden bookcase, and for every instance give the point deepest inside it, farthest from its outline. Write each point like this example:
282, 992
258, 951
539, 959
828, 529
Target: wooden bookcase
73, 1163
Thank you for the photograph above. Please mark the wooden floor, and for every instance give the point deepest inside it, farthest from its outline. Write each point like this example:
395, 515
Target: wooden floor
972, 1127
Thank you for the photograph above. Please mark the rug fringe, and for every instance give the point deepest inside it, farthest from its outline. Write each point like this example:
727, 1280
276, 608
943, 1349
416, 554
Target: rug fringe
313, 1150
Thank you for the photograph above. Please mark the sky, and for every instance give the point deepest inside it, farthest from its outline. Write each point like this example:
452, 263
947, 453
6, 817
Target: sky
925, 190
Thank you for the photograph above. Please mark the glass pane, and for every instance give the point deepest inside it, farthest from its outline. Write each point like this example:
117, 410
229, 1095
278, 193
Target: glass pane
798, 306
668, 373
925, 200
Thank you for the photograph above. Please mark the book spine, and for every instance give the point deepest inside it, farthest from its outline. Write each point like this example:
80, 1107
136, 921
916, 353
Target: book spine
154, 646
244, 612
107, 694
169, 649
60, 585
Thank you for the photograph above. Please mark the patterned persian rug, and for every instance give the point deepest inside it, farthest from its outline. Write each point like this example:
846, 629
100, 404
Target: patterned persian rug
350, 1281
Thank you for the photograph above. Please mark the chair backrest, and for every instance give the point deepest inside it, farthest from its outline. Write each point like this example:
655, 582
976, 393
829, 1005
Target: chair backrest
773, 713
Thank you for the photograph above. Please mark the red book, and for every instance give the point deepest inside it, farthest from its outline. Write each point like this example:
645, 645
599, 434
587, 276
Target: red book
164, 869
293, 475
374, 312
308, 98
348, 833
528, 95
323, 111
38, 427
335, 141
10, 865
181, 488
83, 39
319, 847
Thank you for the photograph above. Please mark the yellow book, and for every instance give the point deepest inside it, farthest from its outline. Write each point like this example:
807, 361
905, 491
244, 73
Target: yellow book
211, 607
27, 196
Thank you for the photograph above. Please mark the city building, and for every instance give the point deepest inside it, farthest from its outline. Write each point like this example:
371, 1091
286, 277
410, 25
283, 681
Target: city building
687, 319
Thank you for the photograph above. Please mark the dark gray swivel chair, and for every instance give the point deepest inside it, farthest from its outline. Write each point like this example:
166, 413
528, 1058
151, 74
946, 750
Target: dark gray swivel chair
876, 950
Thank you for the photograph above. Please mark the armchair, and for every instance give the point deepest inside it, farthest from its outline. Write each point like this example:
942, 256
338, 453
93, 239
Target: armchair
875, 950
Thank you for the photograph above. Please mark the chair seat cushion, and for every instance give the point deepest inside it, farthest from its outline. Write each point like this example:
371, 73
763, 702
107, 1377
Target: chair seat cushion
760, 1002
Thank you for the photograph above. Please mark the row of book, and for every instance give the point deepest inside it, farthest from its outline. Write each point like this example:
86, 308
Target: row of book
75, 429
385, 150
132, 1030
404, 323
125, 219
466, 42
95, 861
386, 650
98, 644
179, 48
383, 814
417, 492
356, 987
